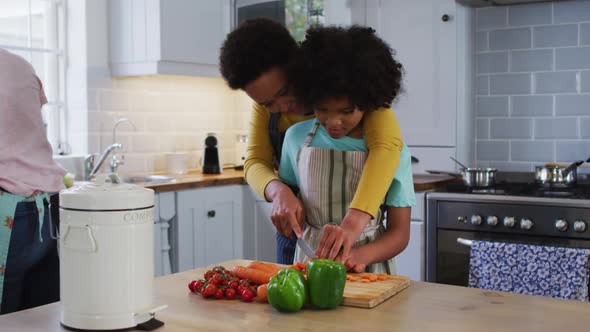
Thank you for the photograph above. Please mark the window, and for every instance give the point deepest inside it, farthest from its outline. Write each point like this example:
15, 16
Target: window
35, 30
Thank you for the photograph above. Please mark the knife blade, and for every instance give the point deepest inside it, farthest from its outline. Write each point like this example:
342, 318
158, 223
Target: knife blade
306, 248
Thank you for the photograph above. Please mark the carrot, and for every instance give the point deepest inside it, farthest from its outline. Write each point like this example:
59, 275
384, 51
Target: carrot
301, 266
256, 276
369, 276
261, 293
267, 267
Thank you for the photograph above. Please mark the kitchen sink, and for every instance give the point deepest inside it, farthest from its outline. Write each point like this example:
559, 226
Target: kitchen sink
147, 179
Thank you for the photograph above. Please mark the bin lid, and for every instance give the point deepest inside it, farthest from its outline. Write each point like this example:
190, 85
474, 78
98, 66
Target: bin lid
106, 193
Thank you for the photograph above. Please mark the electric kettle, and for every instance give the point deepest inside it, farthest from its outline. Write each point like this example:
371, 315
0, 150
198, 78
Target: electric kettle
106, 248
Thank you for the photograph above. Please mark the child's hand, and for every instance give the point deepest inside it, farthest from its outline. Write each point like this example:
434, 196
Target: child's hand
354, 263
336, 242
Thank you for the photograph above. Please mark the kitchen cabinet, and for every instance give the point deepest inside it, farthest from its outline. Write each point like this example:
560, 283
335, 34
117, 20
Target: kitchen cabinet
426, 45
175, 37
411, 262
259, 232
209, 228
431, 40
164, 215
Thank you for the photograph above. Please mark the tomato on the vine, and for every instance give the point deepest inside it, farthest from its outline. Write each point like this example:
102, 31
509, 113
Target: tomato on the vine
230, 293
219, 293
208, 291
247, 295
209, 274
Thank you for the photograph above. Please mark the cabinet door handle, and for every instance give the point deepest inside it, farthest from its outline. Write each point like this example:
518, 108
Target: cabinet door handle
445, 18
211, 213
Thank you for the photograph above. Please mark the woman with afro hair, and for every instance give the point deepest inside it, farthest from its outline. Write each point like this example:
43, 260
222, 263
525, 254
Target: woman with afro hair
258, 58
344, 75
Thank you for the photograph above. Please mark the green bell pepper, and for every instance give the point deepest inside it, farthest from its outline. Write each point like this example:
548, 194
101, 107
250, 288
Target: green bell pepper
326, 279
287, 291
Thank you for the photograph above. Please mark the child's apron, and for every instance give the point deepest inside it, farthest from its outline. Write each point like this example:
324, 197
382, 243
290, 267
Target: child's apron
328, 180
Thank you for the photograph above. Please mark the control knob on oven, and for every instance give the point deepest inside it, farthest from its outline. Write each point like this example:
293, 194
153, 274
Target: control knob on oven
475, 219
526, 224
492, 220
509, 222
579, 226
561, 225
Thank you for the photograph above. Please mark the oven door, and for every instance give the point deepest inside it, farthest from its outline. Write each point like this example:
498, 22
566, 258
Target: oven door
452, 258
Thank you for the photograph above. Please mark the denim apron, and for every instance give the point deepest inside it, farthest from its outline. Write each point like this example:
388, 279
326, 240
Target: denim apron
8, 206
328, 179
285, 245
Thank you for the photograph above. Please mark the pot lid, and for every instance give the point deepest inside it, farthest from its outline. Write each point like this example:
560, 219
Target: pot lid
106, 193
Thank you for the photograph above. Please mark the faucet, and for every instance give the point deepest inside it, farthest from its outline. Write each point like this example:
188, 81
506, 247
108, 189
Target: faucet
103, 157
115, 162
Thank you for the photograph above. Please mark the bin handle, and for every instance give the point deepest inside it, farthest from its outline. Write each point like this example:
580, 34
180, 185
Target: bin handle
88, 230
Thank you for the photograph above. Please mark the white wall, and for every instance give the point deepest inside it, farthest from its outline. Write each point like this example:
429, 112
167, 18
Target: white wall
171, 113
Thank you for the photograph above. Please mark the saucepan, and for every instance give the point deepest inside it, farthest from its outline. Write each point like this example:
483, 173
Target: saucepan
559, 176
473, 177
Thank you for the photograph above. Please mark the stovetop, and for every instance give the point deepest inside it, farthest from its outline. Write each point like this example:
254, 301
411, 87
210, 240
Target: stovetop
508, 184
525, 190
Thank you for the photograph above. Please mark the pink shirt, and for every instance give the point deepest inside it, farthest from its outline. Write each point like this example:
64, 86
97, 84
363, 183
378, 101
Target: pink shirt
26, 162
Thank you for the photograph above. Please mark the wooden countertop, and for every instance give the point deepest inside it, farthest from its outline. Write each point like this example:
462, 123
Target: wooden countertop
421, 307
195, 179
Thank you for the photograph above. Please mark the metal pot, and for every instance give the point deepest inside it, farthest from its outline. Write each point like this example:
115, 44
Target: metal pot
479, 177
556, 176
474, 177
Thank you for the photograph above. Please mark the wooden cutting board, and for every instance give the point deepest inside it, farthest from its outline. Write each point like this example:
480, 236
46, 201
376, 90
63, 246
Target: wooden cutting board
369, 295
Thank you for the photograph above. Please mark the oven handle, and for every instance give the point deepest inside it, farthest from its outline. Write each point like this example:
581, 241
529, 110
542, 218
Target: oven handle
464, 242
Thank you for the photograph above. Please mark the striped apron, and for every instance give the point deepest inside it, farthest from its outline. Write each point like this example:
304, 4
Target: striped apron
8, 203
328, 180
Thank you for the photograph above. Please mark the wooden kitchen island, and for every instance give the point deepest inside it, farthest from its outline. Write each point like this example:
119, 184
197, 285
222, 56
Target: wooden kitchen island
421, 307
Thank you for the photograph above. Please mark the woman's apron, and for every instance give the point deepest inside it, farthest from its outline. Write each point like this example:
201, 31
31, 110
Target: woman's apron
328, 180
8, 203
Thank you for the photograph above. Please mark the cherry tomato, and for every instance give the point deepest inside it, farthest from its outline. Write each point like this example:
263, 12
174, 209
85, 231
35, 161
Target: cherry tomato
209, 274
233, 284
216, 280
241, 289
191, 285
198, 285
209, 291
230, 293
219, 293
247, 295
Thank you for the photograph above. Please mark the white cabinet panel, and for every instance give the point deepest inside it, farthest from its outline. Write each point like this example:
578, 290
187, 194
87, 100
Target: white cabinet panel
259, 232
411, 261
209, 227
433, 159
176, 37
427, 48
418, 210
164, 214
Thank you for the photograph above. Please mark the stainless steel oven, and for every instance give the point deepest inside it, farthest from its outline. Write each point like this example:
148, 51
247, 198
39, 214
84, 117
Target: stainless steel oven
525, 217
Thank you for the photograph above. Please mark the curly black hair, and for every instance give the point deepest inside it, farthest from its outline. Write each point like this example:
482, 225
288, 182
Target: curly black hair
348, 62
252, 49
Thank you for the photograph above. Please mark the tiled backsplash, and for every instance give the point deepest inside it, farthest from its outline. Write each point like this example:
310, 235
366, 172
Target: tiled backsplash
170, 114
533, 84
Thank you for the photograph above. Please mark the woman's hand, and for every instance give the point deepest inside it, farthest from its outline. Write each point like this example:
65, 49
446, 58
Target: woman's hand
336, 241
287, 213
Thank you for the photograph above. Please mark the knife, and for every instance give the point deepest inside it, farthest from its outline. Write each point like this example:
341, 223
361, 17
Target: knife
306, 249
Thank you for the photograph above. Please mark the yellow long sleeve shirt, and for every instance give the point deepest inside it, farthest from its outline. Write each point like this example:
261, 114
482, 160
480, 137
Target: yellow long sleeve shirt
383, 139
